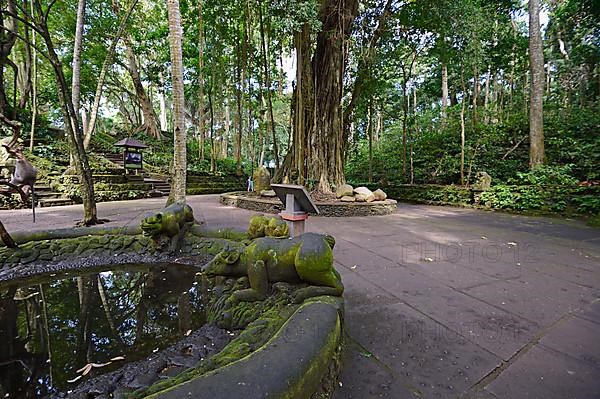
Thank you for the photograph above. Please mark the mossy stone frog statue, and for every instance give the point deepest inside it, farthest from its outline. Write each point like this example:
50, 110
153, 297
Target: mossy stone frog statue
307, 258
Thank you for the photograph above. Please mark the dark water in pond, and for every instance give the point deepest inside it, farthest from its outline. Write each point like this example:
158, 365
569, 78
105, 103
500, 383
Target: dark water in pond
51, 328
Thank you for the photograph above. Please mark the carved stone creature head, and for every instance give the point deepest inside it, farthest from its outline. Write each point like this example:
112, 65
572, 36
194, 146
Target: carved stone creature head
225, 263
261, 226
277, 228
152, 225
169, 222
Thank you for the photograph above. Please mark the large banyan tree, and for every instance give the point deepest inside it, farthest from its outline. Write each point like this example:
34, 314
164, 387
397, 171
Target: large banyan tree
317, 152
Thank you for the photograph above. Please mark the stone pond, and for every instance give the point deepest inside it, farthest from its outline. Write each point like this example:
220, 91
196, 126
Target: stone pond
169, 309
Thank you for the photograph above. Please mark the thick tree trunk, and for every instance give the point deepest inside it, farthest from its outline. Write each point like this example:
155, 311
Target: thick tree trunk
318, 145
178, 184
149, 123
326, 164
536, 65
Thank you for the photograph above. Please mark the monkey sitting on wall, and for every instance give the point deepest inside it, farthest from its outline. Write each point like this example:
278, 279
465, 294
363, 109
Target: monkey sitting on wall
25, 174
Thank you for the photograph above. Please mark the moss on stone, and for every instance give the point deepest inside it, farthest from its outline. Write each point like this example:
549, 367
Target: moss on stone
259, 320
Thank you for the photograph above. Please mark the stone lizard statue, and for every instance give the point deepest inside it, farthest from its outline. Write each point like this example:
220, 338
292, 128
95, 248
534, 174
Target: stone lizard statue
306, 258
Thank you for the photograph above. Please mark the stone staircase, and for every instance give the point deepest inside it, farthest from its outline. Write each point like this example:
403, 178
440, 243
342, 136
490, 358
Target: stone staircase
117, 159
47, 197
158, 185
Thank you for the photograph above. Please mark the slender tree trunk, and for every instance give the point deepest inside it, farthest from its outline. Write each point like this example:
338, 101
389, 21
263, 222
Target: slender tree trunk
91, 127
240, 90
201, 132
462, 128
414, 130
34, 86
8, 37
76, 65
475, 96
24, 69
370, 134
227, 127
71, 122
213, 165
267, 80
178, 184
486, 98
162, 101
548, 77
444, 90
536, 65
364, 67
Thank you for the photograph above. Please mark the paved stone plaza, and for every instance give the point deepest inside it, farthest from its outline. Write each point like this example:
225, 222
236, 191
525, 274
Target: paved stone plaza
441, 302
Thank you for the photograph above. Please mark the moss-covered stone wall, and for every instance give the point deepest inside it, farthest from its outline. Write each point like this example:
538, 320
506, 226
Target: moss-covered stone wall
53, 255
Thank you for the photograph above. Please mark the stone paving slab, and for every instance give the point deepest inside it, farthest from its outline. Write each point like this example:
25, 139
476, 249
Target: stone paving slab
576, 338
364, 377
426, 356
408, 317
542, 373
540, 299
591, 312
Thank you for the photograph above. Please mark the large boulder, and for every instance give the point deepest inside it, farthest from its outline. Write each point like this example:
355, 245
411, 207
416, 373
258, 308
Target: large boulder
484, 181
268, 193
348, 198
262, 179
345, 190
368, 194
380, 195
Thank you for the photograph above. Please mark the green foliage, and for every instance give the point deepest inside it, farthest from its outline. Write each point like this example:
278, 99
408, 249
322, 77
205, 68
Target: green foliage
546, 175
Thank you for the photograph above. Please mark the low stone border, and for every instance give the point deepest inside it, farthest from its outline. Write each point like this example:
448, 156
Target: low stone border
328, 209
290, 365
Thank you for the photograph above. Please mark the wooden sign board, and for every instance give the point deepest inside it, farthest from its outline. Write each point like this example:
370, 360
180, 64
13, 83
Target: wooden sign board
133, 160
302, 200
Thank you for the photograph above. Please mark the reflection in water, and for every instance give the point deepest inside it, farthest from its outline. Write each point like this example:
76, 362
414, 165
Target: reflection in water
50, 330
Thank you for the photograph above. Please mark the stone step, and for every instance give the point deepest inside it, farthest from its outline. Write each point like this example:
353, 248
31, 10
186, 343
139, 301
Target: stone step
47, 195
44, 203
